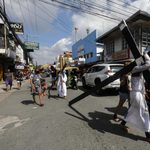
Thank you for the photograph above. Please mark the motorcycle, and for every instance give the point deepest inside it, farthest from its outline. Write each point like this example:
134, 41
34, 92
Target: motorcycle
74, 82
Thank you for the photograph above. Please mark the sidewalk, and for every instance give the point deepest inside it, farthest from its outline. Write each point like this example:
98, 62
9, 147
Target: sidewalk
4, 94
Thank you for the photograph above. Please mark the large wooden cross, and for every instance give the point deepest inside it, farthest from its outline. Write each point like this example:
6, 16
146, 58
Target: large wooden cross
139, 59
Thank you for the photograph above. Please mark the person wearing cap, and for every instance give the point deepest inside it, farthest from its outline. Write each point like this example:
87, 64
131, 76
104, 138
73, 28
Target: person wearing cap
61, 85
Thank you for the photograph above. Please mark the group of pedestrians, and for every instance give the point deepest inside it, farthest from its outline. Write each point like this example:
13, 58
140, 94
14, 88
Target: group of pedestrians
8, 77
133, 88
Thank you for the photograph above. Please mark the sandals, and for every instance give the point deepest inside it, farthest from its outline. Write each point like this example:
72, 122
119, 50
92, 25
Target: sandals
125, 128
148, 140
41, 105
115, 118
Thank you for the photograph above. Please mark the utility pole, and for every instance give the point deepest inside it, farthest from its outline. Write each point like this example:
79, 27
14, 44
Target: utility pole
76, 33
5, 26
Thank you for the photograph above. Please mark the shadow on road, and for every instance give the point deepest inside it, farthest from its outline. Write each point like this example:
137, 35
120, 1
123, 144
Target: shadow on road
27, 102
122, 112
102, 122
107, 92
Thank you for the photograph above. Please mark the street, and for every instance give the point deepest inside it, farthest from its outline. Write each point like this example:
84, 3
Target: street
87, 125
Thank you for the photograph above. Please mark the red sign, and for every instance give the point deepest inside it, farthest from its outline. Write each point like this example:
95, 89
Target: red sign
124, 54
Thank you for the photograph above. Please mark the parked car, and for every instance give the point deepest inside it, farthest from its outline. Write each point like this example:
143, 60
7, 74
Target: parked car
100, 72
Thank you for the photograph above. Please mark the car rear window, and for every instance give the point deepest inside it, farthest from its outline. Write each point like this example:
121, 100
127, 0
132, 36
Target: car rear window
115, 68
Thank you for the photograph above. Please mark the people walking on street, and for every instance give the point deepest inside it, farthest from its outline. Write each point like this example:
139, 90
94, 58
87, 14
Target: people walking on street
61, 85
43, 82
138, 114
53, 73
19, 77
36, 86
8, 79
125, 87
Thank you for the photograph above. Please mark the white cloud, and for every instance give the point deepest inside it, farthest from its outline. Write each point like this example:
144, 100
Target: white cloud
48, 55
45, 14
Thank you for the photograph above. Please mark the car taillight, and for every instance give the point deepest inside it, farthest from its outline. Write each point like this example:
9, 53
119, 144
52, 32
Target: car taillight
108, 72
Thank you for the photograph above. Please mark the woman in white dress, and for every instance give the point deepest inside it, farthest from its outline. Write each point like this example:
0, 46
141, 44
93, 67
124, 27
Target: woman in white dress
138, 114
61, 85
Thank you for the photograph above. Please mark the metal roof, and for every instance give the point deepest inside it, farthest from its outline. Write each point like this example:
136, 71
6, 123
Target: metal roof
139, 15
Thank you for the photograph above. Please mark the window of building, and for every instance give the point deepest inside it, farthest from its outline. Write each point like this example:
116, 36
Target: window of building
110, 48
87, 55
91, 54
145, 36
124, 44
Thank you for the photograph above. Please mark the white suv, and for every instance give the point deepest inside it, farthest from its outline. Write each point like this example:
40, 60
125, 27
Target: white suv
100, 72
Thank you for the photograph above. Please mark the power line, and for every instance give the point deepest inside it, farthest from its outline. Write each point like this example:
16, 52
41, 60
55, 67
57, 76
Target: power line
23, 15
29, 16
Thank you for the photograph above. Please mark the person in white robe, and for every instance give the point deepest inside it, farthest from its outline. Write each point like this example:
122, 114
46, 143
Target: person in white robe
61, 87
138, 114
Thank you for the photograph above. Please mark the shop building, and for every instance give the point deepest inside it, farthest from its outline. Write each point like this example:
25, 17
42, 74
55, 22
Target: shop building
116, 49
87, 50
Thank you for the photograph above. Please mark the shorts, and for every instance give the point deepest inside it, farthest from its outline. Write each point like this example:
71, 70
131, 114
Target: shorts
8, 82
123, 95
53, 78
19, 81
43, 85
37, 89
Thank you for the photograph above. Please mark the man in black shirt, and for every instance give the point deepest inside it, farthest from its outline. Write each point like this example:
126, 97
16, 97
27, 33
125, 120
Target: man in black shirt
53, 73
19, 78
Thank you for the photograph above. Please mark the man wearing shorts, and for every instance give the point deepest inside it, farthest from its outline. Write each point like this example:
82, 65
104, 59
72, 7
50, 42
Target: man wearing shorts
43, 82
36, 86
19, 78
8, 79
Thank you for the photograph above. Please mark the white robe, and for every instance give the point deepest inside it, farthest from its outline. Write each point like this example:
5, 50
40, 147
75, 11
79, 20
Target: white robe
138, 114
59, 91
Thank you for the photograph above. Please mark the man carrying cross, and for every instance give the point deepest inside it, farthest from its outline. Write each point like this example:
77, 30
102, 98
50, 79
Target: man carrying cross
138, 114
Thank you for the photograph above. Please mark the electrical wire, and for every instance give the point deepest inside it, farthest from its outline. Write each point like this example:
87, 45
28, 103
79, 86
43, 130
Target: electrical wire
29, 16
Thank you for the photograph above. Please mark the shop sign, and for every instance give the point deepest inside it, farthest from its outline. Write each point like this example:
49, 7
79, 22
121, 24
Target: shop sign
81, 50
109, 57
19, 66
11, 54
124, 54
17, 27
31, 45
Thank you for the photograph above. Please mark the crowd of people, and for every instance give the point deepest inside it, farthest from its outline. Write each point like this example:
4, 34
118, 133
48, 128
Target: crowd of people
132, 88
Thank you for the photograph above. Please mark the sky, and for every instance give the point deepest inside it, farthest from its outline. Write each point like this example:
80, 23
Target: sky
53, 27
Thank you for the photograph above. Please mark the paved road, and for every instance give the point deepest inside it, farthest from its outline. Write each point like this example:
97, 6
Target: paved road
55, 126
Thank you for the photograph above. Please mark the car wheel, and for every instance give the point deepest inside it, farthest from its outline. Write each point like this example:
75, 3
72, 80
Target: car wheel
84, 83
99, 91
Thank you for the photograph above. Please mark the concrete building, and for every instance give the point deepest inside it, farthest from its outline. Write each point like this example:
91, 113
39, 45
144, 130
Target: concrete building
115, 46
87, 50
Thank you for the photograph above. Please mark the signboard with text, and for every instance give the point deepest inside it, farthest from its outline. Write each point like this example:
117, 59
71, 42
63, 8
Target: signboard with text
124, 54
17, 27
31, 45
81, 50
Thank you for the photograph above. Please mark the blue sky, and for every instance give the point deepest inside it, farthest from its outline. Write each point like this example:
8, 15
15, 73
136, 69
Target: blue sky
53, 37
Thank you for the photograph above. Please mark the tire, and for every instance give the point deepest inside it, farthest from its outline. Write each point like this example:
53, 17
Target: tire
76, 86
99, 91
84, 83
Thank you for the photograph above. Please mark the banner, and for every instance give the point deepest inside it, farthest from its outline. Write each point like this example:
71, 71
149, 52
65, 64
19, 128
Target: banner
31, 45
17, 27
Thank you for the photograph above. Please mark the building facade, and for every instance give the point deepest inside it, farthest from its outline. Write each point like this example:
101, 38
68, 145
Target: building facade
116, 48
87, 50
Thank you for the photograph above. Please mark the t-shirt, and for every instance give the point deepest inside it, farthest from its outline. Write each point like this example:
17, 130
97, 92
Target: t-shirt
43, 80
19, 76
36, 79
8, 76
123, 88
53, 72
